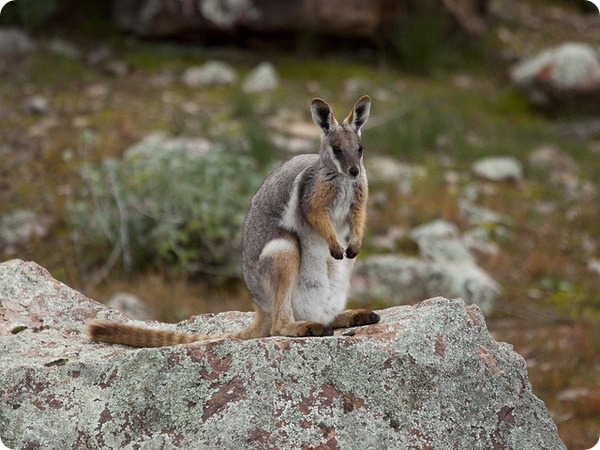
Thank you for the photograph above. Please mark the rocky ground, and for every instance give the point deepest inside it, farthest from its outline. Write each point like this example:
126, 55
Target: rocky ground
474, 192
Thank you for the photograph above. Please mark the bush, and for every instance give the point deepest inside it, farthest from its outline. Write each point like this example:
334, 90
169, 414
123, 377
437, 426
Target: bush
167, 203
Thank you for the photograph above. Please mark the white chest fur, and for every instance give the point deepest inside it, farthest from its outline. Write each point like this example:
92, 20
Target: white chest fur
340, 209
321, 289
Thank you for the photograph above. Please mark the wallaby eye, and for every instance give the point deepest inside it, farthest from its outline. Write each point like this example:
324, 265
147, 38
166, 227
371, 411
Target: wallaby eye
336, 150
360, 151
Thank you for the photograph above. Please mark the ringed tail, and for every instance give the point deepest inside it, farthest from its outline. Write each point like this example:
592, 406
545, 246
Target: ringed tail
134, 336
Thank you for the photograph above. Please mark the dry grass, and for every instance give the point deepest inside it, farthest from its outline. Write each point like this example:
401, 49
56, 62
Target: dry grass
175, 298
563, 364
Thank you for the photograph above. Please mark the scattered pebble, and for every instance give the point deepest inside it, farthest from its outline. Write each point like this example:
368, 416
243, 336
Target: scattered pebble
14, 41
263, 78
21, 227
36, 105
594, 266
64, 48
498, 168
213, 73
131, 305
117, 68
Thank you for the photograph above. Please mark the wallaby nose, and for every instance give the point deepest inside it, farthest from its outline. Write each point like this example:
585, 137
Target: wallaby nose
354, 171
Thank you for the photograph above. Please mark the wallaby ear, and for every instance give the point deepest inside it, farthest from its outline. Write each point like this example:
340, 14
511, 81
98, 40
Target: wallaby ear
322, 115
359, 114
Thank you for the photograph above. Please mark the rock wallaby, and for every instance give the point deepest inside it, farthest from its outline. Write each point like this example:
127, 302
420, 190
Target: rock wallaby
302, 232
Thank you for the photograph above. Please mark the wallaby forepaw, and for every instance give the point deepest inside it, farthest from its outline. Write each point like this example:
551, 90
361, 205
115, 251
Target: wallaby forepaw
352, 251
337, 252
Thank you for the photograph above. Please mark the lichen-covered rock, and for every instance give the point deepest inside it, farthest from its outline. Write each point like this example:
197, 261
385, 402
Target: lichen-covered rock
428, 376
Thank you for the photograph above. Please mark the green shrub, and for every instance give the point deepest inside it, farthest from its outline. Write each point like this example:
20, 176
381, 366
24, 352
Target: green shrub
166, 205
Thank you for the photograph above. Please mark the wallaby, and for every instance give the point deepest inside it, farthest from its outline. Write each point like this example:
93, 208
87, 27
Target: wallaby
307, 215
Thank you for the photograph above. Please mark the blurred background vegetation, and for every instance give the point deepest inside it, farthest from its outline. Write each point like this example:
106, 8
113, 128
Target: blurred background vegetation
122, 171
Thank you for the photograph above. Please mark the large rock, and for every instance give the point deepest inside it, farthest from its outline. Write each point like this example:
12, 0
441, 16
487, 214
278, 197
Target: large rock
566, 77
363, 19
428, 376
445, 267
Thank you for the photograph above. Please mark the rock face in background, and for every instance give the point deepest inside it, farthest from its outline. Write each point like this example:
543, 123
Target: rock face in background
358, 19
428, 376
562, 78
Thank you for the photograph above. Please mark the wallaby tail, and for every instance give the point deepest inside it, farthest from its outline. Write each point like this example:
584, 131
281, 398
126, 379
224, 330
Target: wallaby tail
134, 336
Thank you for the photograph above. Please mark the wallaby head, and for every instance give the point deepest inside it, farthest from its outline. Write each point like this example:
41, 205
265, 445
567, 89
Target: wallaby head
341, 146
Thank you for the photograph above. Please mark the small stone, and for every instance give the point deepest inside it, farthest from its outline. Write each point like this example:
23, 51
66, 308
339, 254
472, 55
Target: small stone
98, 55
263, 78
213, 73
498, 168
36, 105
21, 227
97, 91
14, 42
64, 48
441, 241
355, 86
117, 68
155, 146
293, 144
477, 215
131, 305
593, 266
550, 157
478, 240
389, 240
386, 169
